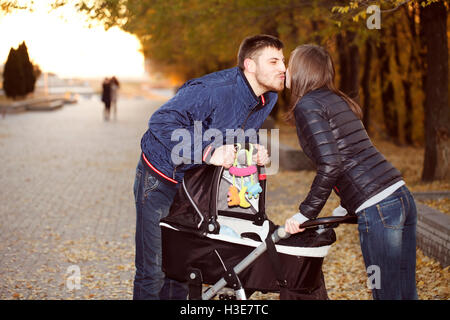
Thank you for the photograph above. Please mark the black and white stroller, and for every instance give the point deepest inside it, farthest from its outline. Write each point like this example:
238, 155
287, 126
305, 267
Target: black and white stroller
217, 233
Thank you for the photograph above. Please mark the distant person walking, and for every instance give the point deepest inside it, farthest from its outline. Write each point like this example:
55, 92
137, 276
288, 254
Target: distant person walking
114, 92
106, 97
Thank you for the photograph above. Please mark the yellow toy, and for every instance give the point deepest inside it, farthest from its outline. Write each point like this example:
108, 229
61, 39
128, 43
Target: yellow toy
244, 203
233, 196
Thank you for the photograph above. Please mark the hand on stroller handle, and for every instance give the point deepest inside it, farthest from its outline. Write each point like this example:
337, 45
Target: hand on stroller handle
226, 155
223, 156
292, 226
261, 158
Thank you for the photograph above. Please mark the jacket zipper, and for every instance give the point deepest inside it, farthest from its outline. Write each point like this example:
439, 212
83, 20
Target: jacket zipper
175, 171
245, 121
257, 107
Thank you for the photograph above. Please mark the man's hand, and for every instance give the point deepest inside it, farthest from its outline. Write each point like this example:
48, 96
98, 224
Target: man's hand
223, 156
261, 157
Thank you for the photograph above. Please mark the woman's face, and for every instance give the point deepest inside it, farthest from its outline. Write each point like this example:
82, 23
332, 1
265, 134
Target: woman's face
288, 78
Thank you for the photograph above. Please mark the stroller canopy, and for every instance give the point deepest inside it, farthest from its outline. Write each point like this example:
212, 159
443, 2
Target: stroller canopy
203, 195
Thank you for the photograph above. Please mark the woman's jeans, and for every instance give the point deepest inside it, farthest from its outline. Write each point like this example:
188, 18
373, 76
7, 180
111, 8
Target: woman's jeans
153, 200
387, 233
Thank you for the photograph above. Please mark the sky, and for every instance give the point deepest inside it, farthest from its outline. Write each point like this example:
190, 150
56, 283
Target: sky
60, 41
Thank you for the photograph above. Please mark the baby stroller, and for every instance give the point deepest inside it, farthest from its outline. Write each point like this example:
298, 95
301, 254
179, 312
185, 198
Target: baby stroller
217, 233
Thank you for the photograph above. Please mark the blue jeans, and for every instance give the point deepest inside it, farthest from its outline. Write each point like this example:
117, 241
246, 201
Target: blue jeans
387, 233
153, 201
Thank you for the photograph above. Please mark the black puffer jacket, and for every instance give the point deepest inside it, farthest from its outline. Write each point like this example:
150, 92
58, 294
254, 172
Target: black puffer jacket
346, 160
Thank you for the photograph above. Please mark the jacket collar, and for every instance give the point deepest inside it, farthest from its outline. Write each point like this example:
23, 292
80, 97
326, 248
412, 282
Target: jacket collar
247, 93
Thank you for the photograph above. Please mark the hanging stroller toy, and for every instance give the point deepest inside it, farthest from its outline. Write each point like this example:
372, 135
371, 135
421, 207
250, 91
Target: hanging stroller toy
211, 239
250, 188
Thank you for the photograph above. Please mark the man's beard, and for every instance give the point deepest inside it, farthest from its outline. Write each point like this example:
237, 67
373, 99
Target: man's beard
267, 85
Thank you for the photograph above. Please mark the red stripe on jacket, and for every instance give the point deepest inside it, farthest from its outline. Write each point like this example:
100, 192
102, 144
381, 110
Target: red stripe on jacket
157, 171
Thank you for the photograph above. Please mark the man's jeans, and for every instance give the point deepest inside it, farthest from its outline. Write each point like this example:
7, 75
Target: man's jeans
387, 233
153, 200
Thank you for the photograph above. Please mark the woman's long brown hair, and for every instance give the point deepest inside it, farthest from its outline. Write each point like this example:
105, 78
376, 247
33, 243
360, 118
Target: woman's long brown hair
311, 67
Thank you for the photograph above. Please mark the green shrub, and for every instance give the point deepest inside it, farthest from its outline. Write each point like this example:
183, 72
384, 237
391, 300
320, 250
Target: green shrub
19, 76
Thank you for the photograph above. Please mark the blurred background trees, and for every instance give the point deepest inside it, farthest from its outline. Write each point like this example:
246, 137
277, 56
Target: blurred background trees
398, 71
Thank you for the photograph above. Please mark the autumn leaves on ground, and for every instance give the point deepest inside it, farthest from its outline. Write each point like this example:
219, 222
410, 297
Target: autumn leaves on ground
343, 268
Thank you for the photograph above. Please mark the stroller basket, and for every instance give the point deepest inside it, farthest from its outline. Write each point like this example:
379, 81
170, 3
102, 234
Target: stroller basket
205, 236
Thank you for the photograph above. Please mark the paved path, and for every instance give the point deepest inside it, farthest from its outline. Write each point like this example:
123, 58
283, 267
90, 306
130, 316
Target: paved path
66, 202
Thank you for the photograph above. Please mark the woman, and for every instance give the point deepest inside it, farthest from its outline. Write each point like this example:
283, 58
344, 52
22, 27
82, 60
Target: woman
333, 137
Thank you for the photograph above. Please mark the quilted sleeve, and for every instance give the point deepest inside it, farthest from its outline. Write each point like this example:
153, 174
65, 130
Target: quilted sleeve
316, 135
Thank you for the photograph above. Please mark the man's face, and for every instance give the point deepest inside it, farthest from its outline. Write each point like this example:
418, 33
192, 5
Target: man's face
270, 69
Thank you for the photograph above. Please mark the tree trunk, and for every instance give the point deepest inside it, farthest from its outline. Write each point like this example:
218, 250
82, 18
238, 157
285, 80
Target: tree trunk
343, 63
354, 70
315, 28
408, 125
407, 82
433, 22
348, 65
387, 94
365, 83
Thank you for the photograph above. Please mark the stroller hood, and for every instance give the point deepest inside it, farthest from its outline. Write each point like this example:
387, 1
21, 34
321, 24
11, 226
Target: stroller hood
202, 196
194, 204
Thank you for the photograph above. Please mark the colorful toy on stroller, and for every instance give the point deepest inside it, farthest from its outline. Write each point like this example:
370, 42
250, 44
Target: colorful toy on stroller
217, 233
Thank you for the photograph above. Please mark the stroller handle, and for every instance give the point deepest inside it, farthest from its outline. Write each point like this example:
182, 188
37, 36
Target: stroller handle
332, 221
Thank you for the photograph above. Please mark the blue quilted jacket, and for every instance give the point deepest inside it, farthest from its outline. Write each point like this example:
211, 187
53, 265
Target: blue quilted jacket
221, 100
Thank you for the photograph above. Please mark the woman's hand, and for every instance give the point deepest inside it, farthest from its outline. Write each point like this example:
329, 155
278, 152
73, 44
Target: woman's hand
292, 226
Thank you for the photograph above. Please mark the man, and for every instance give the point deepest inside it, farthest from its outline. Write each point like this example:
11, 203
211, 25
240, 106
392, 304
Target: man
240, 97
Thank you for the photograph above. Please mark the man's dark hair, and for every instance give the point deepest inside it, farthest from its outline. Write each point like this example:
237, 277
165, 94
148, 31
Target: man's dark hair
250, 46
